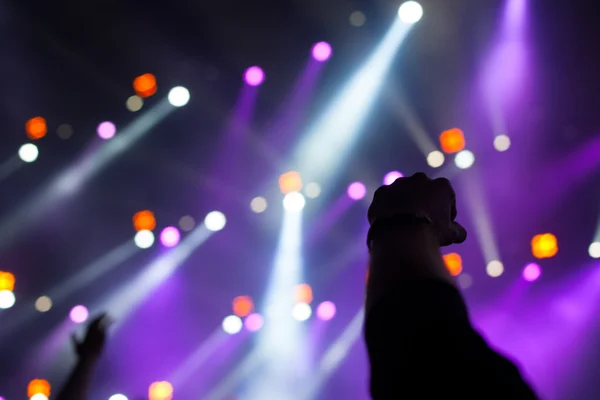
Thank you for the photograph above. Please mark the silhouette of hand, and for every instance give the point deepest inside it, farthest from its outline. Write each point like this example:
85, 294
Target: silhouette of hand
90, 348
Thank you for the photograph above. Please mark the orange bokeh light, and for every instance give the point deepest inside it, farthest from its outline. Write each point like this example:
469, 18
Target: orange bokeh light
453, 263
36, 128
544, 245
290, 182
452, 140
144, 221
7, 281
243, 306
38, 386
145, 85
303, 293
160, 391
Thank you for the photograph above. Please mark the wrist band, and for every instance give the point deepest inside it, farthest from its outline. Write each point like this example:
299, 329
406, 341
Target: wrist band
382, 225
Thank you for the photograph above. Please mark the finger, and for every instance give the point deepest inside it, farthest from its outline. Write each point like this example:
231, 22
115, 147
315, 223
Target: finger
461, 233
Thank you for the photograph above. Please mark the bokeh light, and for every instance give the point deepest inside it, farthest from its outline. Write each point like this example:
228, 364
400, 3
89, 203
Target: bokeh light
36, 128
160, 391
38, 386
464, 159
301, 311
294, 202
64, 131
79, 314
38, 396
326, 311
178, 96
321, 51
254, 322
145, 85
594, 250
303, 293
243, 306
187, 223
118, 396
290, 182
494, 268
544, 245
28, 152
7, 299
144, 221
134, 103
435, 159
232, 324
7, 281
357, 19
532, 272
410, 12
43, 304
170, 236
215, 221
453, 262
254, 76
357, 190
144, 239
465, 281
501, 142
312, 190
258, 204
391, 177
452, 141
106, 130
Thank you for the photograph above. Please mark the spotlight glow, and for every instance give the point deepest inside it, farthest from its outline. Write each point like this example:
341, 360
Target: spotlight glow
43, 304
294, 202
321, 51
357, 190
254, 322
170, 236
106, 130
254, 76
79, 314
179, 96
464, 159
594, 250
144, 239
391, 177
232, 324
312, 190
494, 268
326, 311
410, 12
118, 397
215, 221
7, 299
501, 142
435, 159
532, 272
29, 152
301, 312
258, 204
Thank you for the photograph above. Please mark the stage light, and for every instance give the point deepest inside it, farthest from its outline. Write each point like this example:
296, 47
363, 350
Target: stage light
410, 12
258, 204
170, 236
118, 397
453, 263
232, 324
187, 223
254, 322
452, 140
7, 299
326, 311
7, 281
38, 386
38, 396
36, 128
28, 152
144, 239
144, 221
303, 293
254, 76
243, 306
43, 304
294, 202
312, 190
544, 245
494, 268
145, 85
594, 250
435, 159
356, 191
290, 182
464, 281
134, 103
501, 142
464, 159
79, 314
301, 312
179, 96
391, 177
321, 51
531, 272
357, 19
160, 391
215, 221
106, 130
64, 131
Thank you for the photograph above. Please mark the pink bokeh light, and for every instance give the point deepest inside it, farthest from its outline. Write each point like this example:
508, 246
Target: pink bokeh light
170, 236
106, 130
391, 177
79, 314
326, 311
254, 76
254, 322
532, 272
357, 190
321, 51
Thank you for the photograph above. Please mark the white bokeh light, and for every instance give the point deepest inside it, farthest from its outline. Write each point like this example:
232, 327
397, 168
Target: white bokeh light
179, 96
294, 202
258, 204
232, 324
7, 299
118, 396
435, 159
215, 221
464, 159
494, 268
144, 239
501, 142
134, 103
410, 12
43, 304
301, 312
594, 250
38, 396
465, 281
29, 152
312, 190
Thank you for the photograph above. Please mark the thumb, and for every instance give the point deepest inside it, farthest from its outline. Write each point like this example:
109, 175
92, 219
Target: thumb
76, 342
